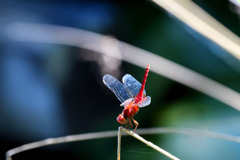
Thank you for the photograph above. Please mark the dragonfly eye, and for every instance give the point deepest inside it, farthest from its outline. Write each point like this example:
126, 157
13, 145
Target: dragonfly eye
121, 119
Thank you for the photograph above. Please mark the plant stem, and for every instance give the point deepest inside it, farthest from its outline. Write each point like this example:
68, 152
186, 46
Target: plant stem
148, 143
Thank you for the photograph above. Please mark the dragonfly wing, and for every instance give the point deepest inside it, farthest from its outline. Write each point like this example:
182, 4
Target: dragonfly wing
132, 85
116, 87
145, 102
127, 102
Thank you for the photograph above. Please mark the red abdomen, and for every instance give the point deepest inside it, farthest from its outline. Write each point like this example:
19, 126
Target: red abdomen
130, 110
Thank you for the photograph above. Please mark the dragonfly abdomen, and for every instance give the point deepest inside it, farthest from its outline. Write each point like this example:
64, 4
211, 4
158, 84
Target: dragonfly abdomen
140, 94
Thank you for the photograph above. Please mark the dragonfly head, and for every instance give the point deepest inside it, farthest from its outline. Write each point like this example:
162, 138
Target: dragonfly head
121, 119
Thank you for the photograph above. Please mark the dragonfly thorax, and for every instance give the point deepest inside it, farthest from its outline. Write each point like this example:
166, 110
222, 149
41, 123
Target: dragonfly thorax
130, 110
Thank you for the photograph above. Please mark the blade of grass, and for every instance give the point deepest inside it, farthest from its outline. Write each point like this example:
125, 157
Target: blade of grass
194, 16
109, 134
93, 41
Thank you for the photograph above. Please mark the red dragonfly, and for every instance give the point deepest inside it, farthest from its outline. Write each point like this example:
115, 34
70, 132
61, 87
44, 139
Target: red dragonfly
132, 95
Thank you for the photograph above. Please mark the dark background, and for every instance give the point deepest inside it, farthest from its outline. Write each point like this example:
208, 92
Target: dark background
51, 90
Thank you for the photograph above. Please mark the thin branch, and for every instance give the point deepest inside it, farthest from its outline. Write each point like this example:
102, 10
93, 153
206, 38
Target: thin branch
119, 144
93, 41
148, 143
109, 134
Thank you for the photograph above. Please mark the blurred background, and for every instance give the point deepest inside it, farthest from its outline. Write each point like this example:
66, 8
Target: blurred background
50, 90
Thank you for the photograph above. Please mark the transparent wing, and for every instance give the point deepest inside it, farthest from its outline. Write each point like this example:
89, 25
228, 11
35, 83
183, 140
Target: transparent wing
132, 85
116, 87
127, 102
145, 102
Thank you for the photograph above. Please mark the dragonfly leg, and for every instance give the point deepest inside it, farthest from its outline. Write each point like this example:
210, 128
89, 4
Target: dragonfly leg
136, 124
125, 125
130, 123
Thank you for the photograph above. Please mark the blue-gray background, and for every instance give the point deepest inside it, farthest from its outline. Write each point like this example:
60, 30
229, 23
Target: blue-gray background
53, 90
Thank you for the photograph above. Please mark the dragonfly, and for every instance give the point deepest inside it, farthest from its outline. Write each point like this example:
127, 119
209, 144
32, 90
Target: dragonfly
131, 94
